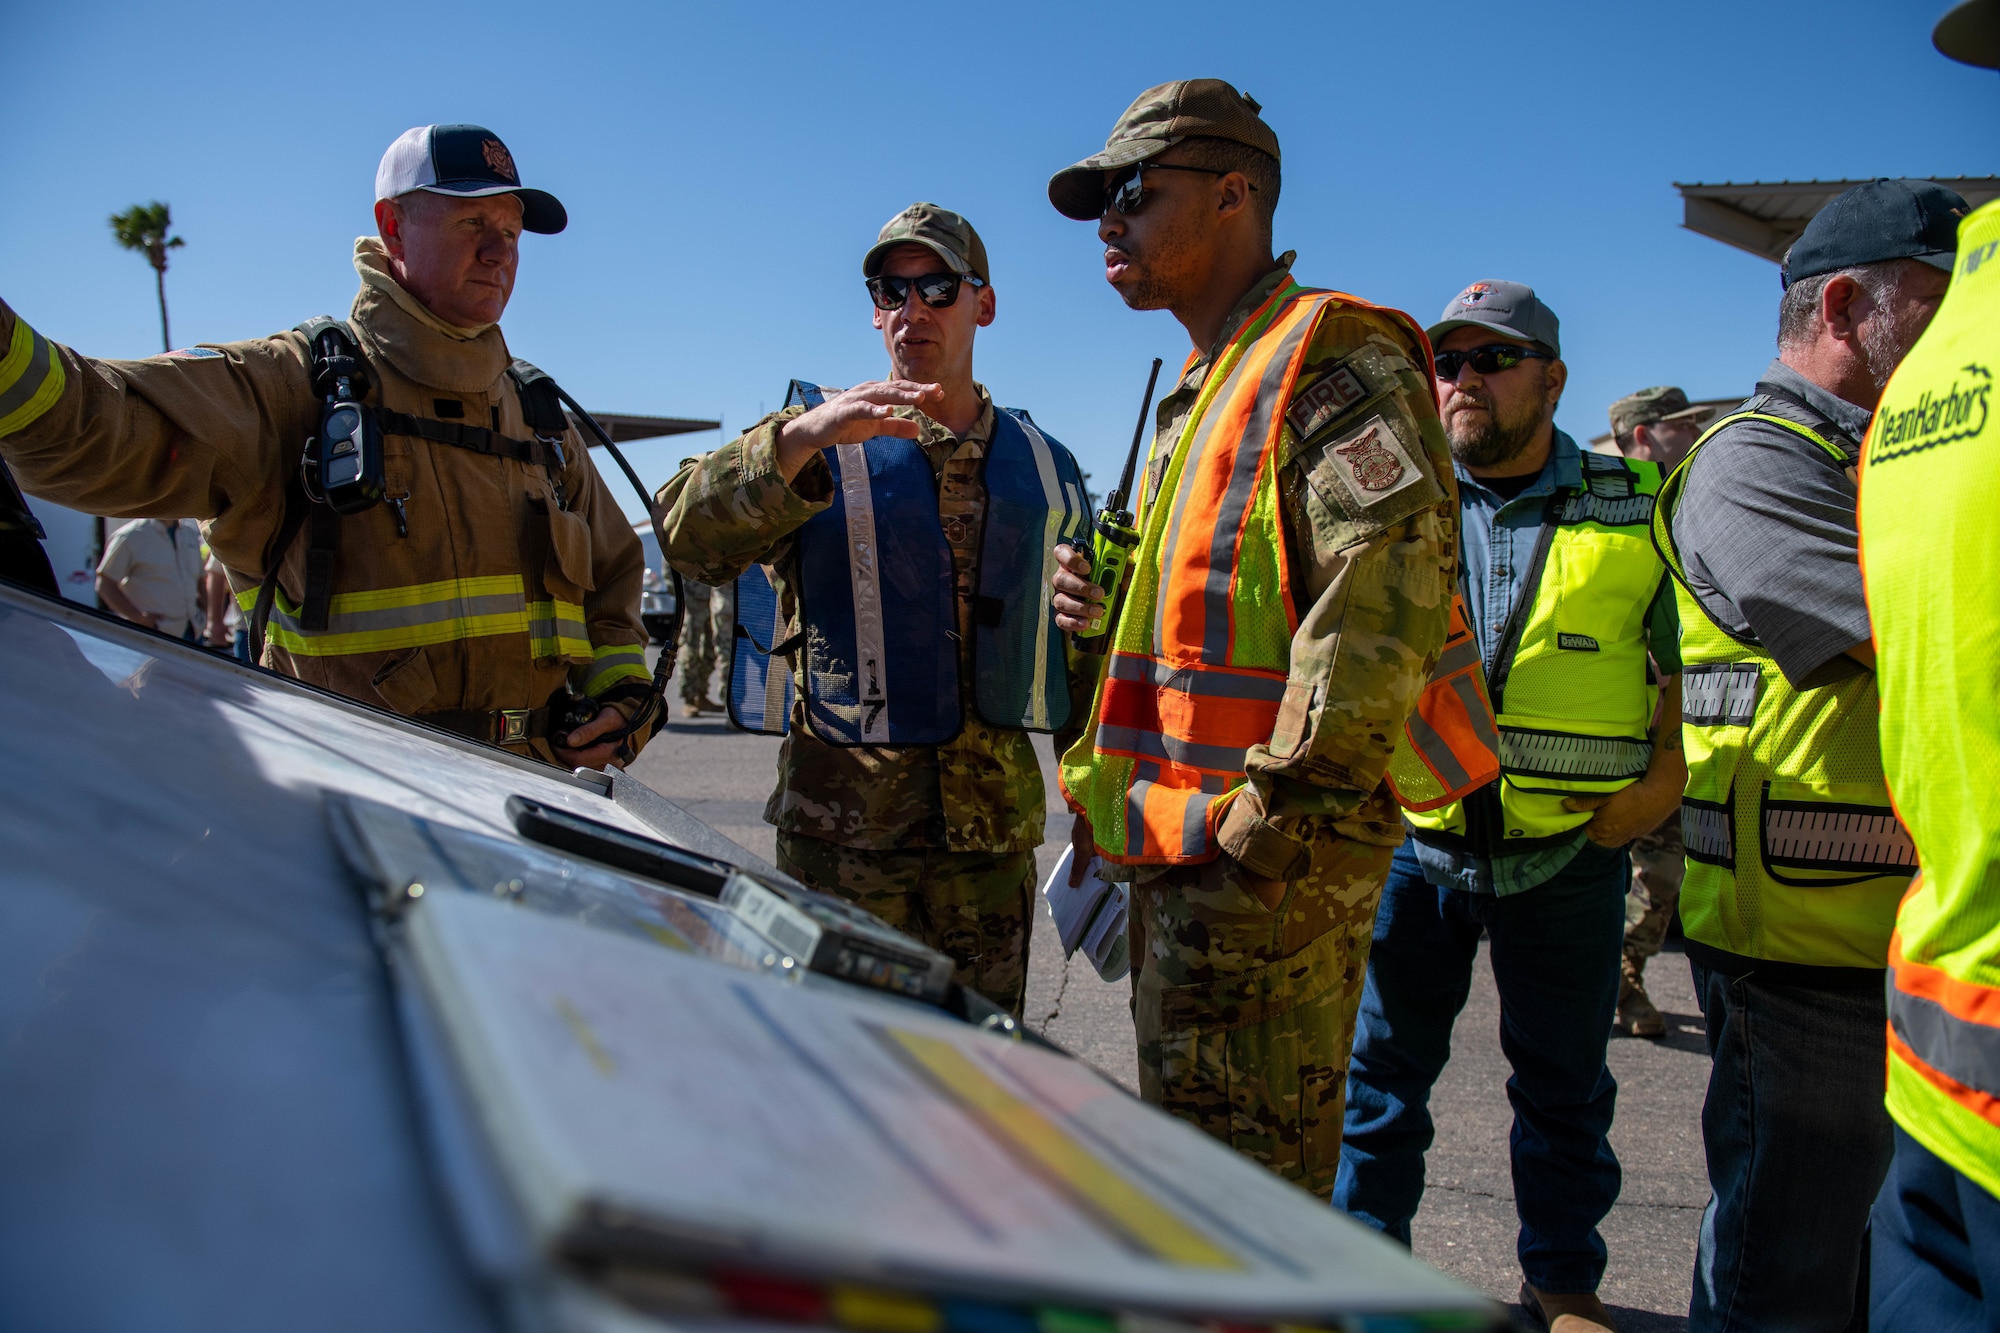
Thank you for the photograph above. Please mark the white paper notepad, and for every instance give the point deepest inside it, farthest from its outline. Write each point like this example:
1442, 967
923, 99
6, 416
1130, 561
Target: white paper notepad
649, 1106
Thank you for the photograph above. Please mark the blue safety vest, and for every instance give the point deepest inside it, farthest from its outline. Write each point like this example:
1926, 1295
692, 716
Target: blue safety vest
879, 620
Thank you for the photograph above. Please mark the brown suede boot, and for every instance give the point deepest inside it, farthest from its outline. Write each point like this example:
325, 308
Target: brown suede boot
1568, 1312
1636, 1014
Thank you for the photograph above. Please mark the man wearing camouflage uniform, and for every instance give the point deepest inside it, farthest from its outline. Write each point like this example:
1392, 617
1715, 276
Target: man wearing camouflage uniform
937, 840
1655, 424
706, 626
1257, 846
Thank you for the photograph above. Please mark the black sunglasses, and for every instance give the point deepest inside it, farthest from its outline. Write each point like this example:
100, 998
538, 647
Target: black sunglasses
1127, 193
936, 290
1487, 360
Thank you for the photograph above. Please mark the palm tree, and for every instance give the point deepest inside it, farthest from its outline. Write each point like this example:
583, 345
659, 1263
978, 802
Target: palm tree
144, 227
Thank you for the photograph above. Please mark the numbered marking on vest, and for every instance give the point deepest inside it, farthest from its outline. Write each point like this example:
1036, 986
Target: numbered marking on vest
866, 574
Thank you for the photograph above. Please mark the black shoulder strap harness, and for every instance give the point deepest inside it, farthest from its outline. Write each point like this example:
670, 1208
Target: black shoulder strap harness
542, 405
341, 355
15, 516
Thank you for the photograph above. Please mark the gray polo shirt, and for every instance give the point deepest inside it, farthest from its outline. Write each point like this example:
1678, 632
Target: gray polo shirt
1767, 533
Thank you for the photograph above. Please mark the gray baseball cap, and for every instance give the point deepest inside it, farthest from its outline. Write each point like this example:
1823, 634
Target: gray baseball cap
1511, 308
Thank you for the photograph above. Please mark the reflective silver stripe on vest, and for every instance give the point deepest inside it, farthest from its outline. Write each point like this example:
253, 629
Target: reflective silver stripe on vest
1456, 657
1810, 835
865, 574
1157, 745
1708, 832
1966, 1052
1052, 496
1194, 816
1556, 754
1720, 694
1191, 680
1620, 513
1608, 478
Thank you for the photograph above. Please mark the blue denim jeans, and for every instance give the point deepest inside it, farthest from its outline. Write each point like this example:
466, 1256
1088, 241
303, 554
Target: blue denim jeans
1934, 1248
1555, 952
1797, 1143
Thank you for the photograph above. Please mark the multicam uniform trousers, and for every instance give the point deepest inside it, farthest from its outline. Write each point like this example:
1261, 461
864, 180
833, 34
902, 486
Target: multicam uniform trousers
1245, 1015
972, 907
1657, 867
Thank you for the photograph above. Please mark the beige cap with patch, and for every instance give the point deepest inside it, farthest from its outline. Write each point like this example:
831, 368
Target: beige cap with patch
1160, 118
1662, 402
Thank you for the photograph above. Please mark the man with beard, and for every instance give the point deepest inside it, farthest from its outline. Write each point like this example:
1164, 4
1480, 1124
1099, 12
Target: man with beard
1565, 597
1289, 594
1795, 860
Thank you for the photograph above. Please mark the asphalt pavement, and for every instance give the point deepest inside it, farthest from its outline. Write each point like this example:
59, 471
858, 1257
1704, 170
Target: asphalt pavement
1466, 1225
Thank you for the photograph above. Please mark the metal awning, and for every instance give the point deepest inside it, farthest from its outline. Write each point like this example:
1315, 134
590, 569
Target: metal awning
625, 426
1765, 217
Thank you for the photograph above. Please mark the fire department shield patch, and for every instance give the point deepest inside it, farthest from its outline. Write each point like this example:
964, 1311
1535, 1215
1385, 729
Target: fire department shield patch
498, 158
1371, 460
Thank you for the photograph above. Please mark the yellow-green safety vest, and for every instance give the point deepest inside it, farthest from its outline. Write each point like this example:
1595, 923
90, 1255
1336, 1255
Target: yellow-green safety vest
1930, 560
1793, 854
1572, 694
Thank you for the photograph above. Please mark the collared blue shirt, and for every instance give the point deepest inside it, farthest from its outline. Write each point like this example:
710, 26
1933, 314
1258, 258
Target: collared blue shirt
1496, 545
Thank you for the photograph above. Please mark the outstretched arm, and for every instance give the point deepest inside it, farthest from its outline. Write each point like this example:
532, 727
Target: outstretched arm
190, 435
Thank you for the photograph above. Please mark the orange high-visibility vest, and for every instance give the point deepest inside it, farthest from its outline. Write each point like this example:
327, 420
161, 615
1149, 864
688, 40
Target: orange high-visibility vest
1451, 745
1202, 648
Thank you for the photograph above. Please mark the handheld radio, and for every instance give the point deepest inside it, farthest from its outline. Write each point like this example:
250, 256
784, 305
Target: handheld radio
342, 467
1115, 537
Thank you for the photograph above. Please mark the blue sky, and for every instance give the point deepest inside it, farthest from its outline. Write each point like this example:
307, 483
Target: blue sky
724, 167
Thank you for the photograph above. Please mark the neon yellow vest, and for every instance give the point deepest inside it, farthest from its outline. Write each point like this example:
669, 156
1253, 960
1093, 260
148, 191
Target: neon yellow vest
1570, 688
1793, 853
1930, 557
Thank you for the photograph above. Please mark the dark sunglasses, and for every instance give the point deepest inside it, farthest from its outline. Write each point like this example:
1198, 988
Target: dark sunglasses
1127, 193
1487, 360
936, 290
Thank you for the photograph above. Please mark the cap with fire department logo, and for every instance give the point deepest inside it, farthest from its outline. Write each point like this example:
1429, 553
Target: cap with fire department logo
468, 161
1511, 308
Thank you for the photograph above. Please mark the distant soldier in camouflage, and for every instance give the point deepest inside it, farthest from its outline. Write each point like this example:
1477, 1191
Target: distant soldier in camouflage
938, 840
1657, 425
1257, 829
707, 628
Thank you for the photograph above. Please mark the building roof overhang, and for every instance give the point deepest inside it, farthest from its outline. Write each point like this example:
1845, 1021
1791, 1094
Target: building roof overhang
1765, 217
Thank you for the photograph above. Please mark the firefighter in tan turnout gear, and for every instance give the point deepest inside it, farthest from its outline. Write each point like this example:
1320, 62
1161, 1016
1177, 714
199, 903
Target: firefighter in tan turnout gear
477, 575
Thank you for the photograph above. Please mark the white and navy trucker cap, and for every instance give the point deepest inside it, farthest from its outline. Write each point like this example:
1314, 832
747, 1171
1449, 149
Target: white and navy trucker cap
466, 160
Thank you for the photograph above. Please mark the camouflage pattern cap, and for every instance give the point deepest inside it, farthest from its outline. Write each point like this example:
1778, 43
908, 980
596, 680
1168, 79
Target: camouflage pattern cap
1160, 118
1662, 402
939, 230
